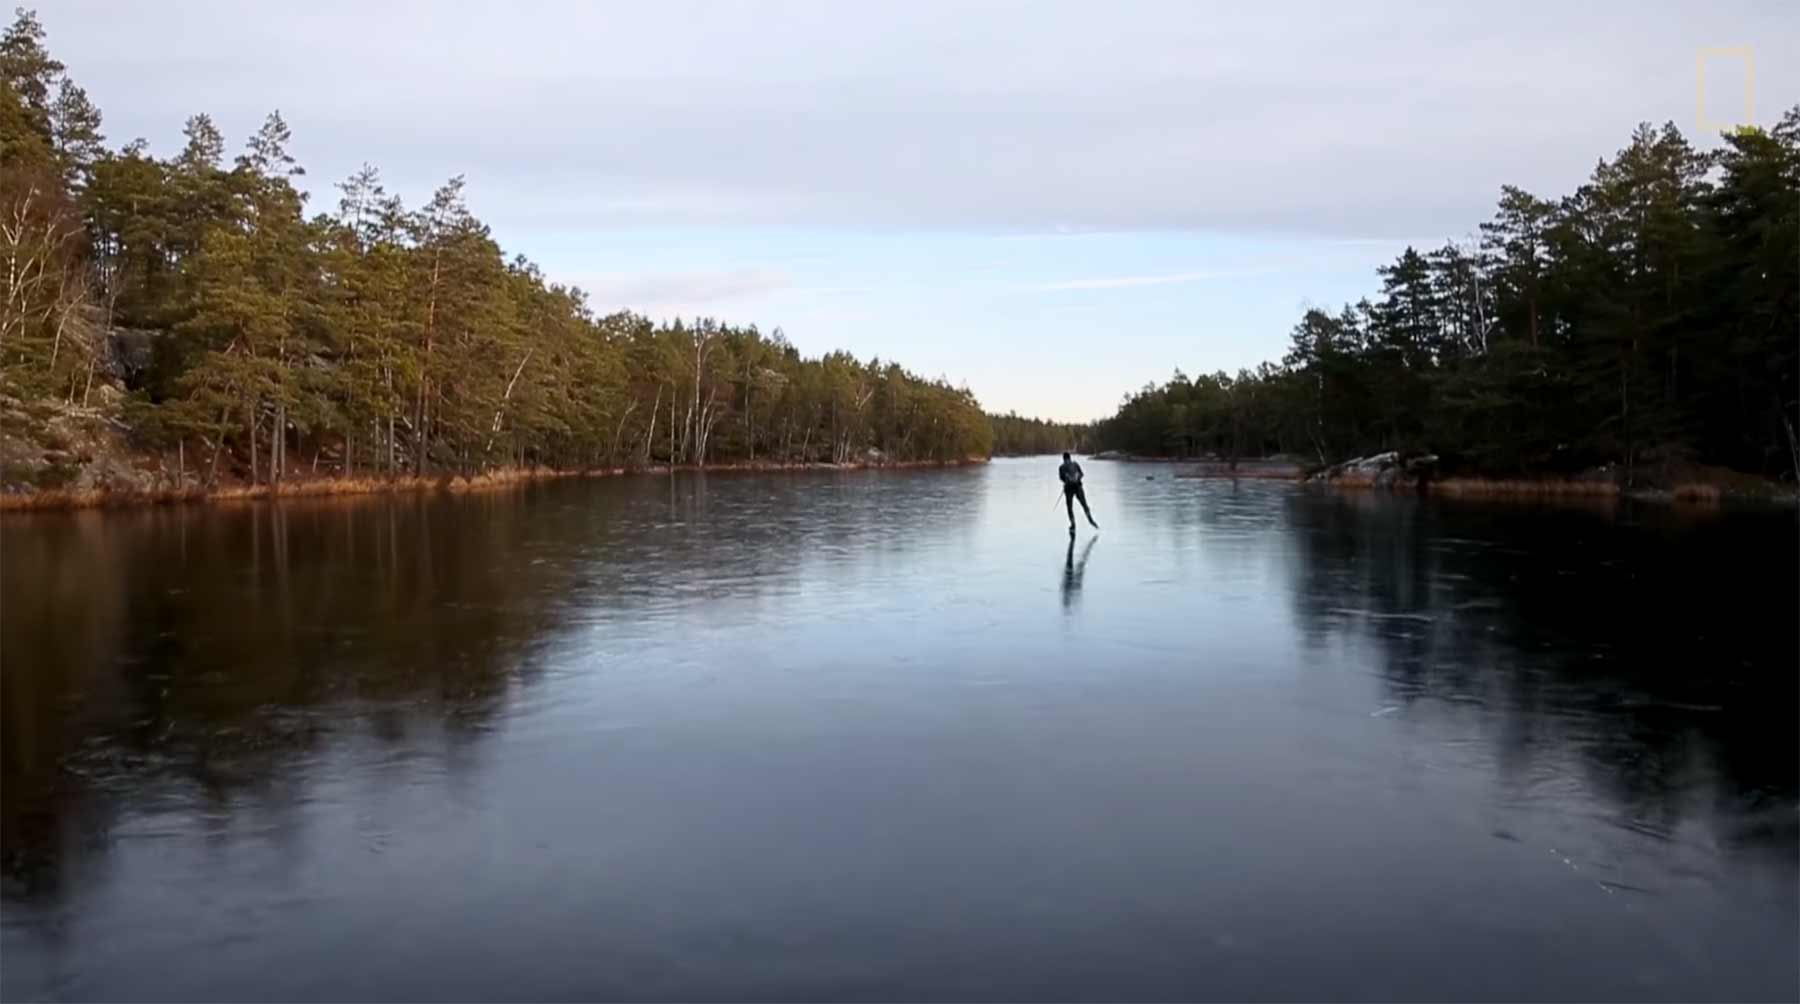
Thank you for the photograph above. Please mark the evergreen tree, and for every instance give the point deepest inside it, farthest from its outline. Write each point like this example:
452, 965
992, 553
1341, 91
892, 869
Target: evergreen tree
1646, 320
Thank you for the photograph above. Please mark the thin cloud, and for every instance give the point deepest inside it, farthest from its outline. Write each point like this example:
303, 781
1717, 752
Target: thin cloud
672, 293
1177, 278
686, 286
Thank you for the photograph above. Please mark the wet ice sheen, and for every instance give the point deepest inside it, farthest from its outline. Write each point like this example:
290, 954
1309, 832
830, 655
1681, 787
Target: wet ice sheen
893, 735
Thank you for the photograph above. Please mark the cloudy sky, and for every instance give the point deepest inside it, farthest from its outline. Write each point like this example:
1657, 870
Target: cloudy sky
1052, 202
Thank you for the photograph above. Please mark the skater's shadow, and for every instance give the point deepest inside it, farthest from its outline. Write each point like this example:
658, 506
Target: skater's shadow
1073, 571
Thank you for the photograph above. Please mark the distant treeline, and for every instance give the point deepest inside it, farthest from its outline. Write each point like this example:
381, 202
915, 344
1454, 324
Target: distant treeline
1024, 437
382, 337
1651, 318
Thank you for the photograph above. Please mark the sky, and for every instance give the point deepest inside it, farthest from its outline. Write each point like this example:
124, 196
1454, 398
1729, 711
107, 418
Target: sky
1052, 203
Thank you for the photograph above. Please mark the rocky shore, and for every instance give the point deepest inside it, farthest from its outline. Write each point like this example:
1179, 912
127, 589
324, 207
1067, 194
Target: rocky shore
80, 459
1424, 473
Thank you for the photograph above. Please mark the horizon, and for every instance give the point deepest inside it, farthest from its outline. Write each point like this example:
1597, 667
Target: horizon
1052, 242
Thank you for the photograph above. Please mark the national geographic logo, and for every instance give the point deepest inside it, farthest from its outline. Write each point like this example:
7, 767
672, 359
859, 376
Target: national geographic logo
1716, 73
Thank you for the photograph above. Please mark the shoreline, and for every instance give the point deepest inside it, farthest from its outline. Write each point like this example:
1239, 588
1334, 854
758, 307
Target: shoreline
1698, 492
61, 500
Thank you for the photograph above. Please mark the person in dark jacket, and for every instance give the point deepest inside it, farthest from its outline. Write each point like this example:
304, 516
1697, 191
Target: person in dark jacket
1070, 472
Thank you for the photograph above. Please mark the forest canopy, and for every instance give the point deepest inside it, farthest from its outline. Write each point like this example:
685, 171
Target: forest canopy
1650, 317
244, 323
1022, 437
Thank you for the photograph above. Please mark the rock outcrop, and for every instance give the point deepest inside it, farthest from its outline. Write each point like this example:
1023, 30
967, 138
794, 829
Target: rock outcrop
1392, 471
57, 447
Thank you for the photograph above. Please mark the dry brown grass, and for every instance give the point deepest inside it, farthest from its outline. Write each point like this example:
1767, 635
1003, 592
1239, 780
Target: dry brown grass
321, 487
64, 499
309, 488
1701, 494
57, 499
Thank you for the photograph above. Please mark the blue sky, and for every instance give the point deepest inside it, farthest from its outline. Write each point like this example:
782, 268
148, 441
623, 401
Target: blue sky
1053, 203
1048, 323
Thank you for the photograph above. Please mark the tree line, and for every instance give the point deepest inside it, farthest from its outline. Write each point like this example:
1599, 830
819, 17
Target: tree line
1015, 436
1650, 318
374, 337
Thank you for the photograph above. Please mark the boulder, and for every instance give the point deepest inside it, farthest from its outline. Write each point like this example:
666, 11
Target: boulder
1392, 471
